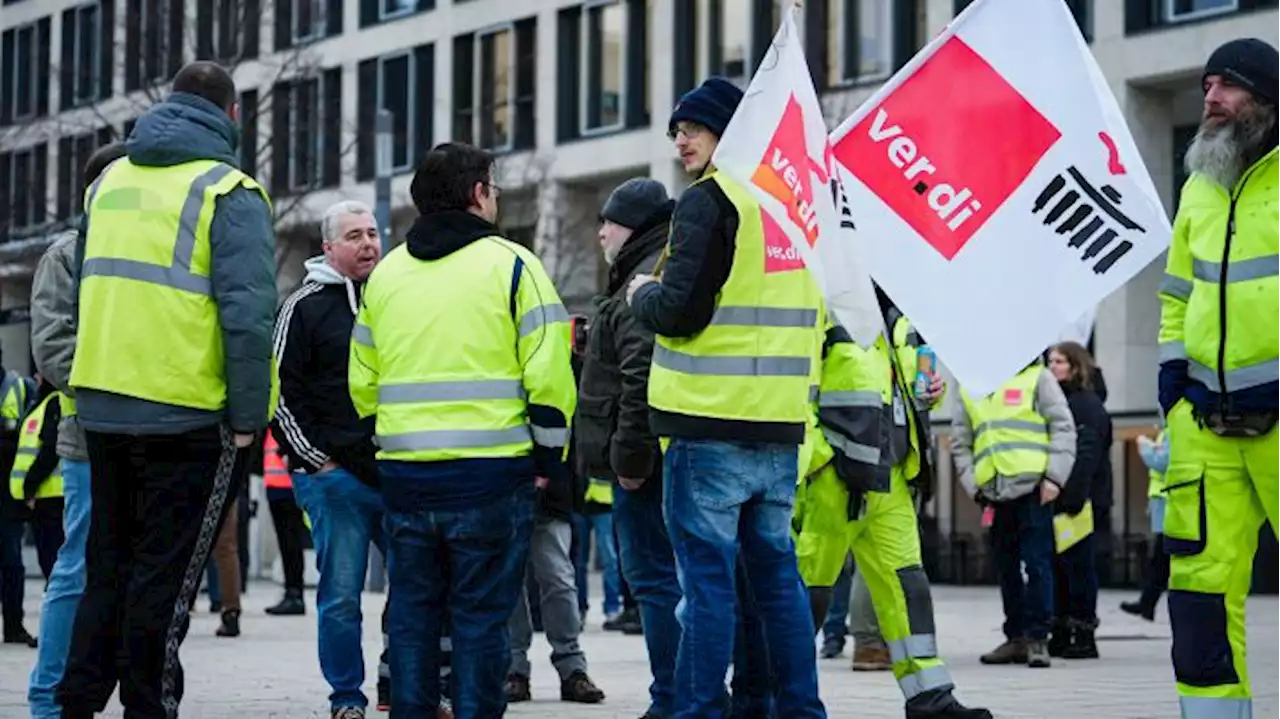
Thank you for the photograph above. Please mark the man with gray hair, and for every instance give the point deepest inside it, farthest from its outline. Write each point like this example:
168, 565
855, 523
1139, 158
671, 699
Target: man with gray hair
327, 446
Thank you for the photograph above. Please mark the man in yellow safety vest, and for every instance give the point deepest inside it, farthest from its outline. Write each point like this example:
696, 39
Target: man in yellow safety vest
173, 378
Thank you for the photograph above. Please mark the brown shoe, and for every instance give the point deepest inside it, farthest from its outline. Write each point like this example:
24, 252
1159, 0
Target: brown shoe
518, 689
580, 689
871, 659
1013, 651
443, 713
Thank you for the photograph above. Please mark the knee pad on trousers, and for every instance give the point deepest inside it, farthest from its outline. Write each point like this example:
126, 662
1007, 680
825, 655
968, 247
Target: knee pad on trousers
919, 599
1202, 655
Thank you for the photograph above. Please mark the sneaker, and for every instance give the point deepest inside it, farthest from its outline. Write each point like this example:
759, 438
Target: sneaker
347, 713
1138, 609
518, 689
1038, 653
19, 635
230, 624
290, 606
618, 622
832, 648
384, 694
1013, 651
871, 659
579, 688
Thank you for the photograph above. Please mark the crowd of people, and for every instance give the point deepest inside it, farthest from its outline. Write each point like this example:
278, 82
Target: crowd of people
440, 404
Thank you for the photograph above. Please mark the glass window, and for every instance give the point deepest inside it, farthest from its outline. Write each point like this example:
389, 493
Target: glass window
395, 90
391, 8
24, 81
859, 40
86, 54
497, 88
308, 19
22, 177
1178, 10
605, 65
734, 31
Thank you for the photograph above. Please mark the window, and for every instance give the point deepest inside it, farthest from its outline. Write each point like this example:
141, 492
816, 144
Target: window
87, 34
602, 73
227, 30
729, 25
404, 85
373, 12
1180, 10
493, 91
306, 119
249, 132
24, 72
73, 154
153, 41
308, 19
25, 172
858, 40
604, 59
496, 87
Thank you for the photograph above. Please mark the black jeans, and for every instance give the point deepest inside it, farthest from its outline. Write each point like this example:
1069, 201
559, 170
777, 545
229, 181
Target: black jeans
47, 524
12, 570
286, 517
1075, 581
158, 502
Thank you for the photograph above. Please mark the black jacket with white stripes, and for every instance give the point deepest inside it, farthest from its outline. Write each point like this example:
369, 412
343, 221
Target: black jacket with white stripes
316, 422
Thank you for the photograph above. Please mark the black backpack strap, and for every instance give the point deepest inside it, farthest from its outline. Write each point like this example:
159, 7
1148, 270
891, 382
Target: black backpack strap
516, 272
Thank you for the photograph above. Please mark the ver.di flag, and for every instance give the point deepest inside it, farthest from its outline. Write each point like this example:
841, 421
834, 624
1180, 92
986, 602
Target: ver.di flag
998, 193
777, 147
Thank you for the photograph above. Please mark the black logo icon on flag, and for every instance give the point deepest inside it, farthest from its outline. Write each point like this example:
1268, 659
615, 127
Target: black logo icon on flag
1089, 214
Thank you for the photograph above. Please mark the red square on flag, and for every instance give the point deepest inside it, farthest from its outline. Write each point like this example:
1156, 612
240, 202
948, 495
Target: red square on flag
1013, 397
947, 147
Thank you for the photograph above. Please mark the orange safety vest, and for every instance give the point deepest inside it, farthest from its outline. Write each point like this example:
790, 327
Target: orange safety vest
275, 473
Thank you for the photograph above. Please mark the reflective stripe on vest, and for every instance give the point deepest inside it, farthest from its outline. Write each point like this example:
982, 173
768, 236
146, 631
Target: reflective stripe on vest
1010, 438
146, 279
28, 449
754, 361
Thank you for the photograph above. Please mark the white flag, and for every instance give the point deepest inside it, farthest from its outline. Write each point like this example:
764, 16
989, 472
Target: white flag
1081, 330
998, 193
777, 147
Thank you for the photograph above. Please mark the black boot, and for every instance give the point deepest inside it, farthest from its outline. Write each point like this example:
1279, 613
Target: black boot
17, 634
1083, 644
941, 704
290, 606
230, 624
1060, 639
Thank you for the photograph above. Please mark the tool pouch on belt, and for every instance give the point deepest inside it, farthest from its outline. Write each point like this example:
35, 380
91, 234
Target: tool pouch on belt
1237, 425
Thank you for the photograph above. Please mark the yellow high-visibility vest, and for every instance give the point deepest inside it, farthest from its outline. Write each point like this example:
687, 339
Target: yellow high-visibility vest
28, 450
753, 362
1010, 437
146, 281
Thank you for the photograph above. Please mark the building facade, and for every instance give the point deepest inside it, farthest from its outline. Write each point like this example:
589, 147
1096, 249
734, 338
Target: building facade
572, 95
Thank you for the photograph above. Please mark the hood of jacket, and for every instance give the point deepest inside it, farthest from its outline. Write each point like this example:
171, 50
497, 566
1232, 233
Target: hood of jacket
181, 129
320, 272
646, 239
440, 234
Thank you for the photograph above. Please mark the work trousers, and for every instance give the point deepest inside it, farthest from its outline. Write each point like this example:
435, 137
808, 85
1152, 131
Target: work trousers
157, 504
1219, 491
885, 542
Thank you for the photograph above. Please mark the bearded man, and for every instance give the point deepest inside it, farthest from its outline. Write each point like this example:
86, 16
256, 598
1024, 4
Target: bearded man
1219, 376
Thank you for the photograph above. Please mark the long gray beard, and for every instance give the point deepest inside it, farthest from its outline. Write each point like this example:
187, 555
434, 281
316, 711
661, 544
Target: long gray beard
1223, 152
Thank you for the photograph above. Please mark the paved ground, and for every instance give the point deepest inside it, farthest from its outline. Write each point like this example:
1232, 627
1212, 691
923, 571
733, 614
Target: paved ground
271, 671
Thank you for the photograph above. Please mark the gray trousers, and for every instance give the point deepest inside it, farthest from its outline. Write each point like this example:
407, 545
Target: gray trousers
862, 615
552, 568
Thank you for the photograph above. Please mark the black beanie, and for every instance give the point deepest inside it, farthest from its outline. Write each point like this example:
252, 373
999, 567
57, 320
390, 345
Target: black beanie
634, 201
710, 104
1249, 63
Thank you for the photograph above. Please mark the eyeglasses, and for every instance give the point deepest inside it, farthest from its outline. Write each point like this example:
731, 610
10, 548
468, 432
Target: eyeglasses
689, 131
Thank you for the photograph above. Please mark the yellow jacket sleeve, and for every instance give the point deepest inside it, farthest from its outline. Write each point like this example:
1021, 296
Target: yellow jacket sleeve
363, 368
544, 349
1175, 290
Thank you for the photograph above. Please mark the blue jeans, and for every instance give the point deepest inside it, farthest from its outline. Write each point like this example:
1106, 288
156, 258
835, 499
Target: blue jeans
836, 626
62, 595
472, 562
607, 552
346, 515
722, 496
1022, 534
649, 564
